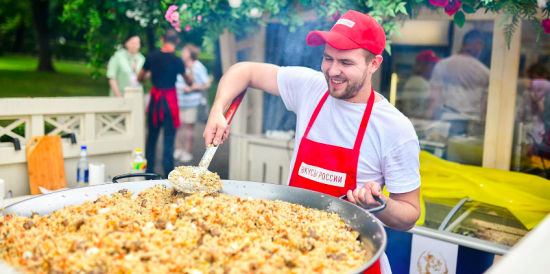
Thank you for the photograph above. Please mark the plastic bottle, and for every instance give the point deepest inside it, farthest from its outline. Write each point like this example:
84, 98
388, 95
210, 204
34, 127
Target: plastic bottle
82, 169
139, 163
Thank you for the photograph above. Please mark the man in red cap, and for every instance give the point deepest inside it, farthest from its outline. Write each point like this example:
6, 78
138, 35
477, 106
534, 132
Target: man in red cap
344, 129
417, 88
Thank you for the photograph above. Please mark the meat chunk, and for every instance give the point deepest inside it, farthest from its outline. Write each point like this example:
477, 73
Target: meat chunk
79, 224
123, 224
132, 246
34, 214
28, 225
215, 232
254, 266
311, 233
161, 224
143, 203
78, 245
123, 191
290, 263
337, 257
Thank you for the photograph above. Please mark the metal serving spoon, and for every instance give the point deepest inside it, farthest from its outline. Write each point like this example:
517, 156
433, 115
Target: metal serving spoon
198, 179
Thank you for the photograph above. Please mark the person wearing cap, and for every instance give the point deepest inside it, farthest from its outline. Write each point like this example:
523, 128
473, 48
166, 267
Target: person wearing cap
344, 129
416, 90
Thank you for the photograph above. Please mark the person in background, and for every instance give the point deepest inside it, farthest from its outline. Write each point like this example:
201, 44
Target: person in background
164, 67
417, 88
459, 86
534, 100
124, 66
189, 99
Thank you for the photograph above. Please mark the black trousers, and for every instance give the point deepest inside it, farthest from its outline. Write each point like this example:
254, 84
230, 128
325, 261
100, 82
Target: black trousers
168, 143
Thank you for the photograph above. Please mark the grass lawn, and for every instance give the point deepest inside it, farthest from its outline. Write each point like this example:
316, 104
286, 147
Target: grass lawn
18, 78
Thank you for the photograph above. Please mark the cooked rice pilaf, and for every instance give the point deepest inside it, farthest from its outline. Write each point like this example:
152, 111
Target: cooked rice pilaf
193, 179
163, 232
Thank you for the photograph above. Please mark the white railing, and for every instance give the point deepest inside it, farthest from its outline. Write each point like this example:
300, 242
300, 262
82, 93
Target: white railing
260, 159
111, 128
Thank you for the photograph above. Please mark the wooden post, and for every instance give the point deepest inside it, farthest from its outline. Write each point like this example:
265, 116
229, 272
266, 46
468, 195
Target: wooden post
137, 116
228, 51
37, 125
499, 127
256, 97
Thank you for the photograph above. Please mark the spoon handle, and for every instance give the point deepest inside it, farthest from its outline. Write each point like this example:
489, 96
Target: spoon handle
207, 157
234, 106
211, 150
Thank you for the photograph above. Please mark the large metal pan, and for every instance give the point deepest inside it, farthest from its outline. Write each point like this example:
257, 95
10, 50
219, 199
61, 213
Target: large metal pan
369, 227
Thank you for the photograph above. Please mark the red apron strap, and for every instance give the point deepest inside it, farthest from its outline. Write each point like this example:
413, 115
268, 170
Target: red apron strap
364, 122
315, 113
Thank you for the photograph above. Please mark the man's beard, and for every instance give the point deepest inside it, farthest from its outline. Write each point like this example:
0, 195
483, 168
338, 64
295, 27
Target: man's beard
352, 87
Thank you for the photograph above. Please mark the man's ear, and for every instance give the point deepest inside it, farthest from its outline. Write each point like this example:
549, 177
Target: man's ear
375, 63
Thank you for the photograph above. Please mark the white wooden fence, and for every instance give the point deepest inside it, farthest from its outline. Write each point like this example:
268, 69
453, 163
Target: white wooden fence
111, 128
260, 159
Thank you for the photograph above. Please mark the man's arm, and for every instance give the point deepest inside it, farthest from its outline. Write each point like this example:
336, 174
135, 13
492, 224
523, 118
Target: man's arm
239, 77
401, 212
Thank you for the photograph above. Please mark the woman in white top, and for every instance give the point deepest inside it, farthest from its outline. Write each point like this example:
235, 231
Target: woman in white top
189, 99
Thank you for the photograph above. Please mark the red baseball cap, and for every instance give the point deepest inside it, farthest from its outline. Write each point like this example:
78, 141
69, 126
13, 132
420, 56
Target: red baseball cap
426, 56
354, 30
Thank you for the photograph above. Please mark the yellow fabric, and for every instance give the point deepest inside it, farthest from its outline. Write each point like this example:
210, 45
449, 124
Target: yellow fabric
526, 196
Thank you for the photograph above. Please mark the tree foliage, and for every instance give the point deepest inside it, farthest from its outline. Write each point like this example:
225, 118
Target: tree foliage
106, 22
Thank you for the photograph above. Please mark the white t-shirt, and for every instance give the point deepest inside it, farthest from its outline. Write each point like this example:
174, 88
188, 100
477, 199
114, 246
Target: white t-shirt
464, 81
389, 153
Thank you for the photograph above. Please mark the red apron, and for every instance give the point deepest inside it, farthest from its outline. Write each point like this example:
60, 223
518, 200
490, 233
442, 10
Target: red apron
330, 169
157, 106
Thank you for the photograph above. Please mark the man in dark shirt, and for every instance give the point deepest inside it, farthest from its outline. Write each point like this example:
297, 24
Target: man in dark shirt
163, 109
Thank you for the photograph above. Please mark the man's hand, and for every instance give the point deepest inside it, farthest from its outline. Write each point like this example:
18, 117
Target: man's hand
187, 89
216, 130
363, 196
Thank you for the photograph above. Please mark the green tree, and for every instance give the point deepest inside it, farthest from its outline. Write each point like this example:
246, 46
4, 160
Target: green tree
41, 14
15, 18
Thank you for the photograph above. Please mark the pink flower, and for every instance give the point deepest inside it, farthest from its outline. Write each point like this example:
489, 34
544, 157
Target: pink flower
199, 17
452, 7
194, 17
336, 16
173, 17
188, 28
169, 13
439, 3
546, 25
